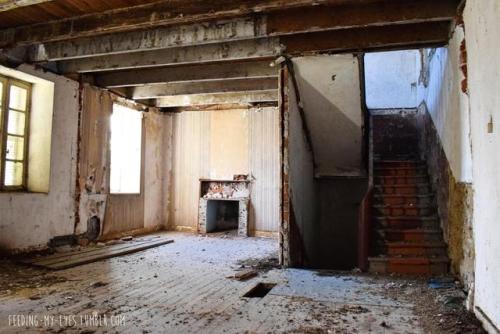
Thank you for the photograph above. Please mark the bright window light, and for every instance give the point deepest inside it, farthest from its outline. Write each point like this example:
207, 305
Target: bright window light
126, 139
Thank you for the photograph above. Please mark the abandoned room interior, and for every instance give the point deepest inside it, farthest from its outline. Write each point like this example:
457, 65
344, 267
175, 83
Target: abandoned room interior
249, 166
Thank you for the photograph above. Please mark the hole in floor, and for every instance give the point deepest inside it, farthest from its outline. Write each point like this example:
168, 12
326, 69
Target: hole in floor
260, 290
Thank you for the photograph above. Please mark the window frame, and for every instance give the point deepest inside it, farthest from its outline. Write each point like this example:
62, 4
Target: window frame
7, 83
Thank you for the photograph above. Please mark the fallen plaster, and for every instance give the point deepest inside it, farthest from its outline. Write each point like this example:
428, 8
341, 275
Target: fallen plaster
184, 287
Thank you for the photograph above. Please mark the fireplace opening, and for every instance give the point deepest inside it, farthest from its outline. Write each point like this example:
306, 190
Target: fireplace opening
222, 215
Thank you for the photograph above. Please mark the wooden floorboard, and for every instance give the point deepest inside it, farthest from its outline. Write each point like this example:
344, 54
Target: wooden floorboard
85, 256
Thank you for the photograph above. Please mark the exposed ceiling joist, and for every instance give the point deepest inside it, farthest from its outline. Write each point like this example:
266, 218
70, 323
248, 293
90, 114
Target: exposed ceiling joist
202, 87
161, 13
6, 5
354, 15
146, 40
222, 106
217, 71
360, 39
278, 23
211, 99
234, 51
368, 39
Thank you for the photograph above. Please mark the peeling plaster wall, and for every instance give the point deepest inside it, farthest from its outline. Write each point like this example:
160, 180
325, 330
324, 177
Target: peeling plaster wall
330, 94
325, 208
302, 192
391, 79
448, 105
264, 157
122, 213
218, 145
158, 164
445, 145
454, 201
29, 220
482, 24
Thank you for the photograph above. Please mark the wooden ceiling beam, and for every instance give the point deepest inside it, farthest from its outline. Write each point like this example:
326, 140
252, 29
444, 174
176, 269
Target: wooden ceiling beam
367, 39
6, 5
205, 72
276, 23
258, 49
202, 87
345, 40
221, 106
150, 39
380, 13
246, 97
161, 13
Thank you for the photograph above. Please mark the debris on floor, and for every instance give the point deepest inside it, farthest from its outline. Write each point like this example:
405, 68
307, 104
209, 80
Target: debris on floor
261, 265
244, 275
442, 283
182, 289
73, 257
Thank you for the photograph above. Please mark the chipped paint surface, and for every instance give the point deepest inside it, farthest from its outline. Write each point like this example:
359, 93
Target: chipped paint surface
330, 95
30, 220
455, 203
482, 26
202, 151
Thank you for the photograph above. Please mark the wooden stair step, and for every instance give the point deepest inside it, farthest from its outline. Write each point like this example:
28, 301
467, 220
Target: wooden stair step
398, 210
405, 222
437, 248
413, 235
421, 265
406, 189
407, 218
398, 163
417, 199
400, 171
403, 180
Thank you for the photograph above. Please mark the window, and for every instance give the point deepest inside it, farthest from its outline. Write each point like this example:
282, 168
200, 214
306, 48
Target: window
15, 97
126, 142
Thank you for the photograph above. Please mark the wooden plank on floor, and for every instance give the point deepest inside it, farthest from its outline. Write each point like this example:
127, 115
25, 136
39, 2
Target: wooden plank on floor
74, 259
87, 249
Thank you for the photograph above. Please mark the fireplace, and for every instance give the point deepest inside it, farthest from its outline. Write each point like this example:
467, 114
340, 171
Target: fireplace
223, 206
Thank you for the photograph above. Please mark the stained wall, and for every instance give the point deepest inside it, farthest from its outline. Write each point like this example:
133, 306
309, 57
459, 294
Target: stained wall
482, 23
218, 145
30, 220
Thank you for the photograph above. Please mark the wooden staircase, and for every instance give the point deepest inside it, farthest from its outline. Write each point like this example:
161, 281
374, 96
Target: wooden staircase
406, 234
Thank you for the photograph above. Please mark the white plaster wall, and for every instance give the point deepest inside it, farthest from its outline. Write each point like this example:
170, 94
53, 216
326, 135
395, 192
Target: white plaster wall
157, 178
30, 220
330, 94
449, 107
218, 145
482, 27
302, 190
265, 168
391, 79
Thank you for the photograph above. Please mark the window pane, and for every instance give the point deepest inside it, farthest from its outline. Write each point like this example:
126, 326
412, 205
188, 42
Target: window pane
126, 138
15, 148
13, 174
16, 123
18, 98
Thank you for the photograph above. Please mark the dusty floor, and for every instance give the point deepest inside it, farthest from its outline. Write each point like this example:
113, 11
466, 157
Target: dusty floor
183, 288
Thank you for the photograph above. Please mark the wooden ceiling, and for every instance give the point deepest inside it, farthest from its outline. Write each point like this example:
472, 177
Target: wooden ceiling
182, 52
44, 11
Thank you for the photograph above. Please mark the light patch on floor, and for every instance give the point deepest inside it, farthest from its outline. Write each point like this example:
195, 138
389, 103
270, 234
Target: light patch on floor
183, 288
